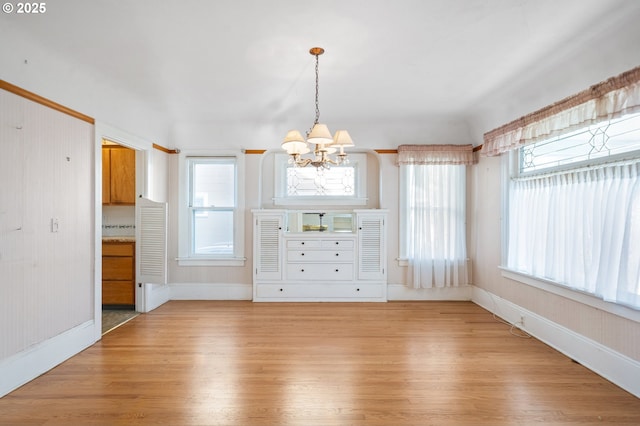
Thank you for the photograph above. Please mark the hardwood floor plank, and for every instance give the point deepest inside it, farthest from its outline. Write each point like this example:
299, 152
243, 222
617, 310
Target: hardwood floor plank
240, 363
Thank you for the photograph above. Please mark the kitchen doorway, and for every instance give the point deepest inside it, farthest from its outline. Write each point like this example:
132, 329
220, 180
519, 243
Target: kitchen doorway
118, 234
121, 179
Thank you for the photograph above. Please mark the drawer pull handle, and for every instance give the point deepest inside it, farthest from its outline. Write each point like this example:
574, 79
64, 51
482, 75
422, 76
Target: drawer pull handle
357, 289
337, 242
301, 254
301, 270
281, 289
337, 270
302, 243
337, 254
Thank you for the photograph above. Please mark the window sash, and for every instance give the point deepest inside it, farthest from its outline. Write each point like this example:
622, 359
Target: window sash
205, 236
433, 224
606, 141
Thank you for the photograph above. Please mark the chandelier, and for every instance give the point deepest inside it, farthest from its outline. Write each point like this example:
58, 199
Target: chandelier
319, 136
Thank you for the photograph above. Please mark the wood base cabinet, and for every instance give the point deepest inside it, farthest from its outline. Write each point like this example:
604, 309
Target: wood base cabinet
316, 265
118, 274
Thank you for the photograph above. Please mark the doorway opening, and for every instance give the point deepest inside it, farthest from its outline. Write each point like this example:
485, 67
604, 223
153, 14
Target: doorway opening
118, 234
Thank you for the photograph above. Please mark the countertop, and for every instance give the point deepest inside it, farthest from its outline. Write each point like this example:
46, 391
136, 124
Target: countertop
118, 239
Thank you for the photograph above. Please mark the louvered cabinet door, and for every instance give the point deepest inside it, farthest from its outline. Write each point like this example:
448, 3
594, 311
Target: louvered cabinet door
372, 256
151, 229
267, 250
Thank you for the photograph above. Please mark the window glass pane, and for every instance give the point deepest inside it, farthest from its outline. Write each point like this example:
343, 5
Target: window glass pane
212, 232
309, 181
213, 183
598, 141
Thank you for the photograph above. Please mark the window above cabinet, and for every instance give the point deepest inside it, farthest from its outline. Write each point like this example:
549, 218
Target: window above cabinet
337, 186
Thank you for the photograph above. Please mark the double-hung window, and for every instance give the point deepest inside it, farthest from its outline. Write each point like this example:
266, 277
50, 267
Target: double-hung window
574, 210
433, 213
211, 210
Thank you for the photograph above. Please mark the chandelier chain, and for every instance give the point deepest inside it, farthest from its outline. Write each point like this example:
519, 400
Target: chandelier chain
317, 119
317, 91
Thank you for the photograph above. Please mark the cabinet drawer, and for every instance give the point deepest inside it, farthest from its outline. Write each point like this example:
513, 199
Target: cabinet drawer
319, 291
117, 249
118, 293
304, 244
342, 244
117, 268
320, 255
319, 271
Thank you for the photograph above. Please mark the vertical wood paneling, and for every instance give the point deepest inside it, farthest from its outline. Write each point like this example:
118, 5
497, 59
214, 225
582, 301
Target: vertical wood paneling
46, 279
12, 263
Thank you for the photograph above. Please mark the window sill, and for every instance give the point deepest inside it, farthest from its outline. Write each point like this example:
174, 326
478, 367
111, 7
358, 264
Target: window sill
575, 295
192, 261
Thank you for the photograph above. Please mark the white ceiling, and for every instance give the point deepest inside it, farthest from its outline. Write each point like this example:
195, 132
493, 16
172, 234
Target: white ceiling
238, 61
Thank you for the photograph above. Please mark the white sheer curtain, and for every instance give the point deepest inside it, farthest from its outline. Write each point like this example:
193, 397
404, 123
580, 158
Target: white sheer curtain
433, 209
580, 228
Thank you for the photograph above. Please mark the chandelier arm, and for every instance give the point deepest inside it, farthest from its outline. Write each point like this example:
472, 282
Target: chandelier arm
303, 163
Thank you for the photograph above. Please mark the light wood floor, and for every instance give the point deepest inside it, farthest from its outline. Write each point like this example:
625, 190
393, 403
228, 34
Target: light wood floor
240, 363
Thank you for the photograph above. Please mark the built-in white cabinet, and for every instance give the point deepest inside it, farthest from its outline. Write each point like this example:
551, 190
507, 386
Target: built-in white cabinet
326, 256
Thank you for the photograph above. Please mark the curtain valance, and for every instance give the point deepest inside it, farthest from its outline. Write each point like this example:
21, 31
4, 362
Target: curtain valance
435, 154
609, 99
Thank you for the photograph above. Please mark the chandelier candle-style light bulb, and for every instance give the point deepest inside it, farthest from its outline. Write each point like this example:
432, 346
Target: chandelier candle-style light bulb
319, 135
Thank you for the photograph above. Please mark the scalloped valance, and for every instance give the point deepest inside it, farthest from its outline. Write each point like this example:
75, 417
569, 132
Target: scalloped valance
435, 154
609, 99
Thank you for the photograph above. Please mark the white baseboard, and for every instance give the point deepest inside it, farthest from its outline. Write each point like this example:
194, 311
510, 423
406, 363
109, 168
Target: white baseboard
210, 291
155, 295
400, 292
25, 366
613, 366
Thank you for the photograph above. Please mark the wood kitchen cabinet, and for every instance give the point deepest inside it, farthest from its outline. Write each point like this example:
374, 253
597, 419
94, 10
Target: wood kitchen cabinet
118, 176
118, 273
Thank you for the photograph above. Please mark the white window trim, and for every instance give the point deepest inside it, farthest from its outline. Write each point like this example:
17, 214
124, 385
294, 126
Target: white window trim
357, 160
184, 258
